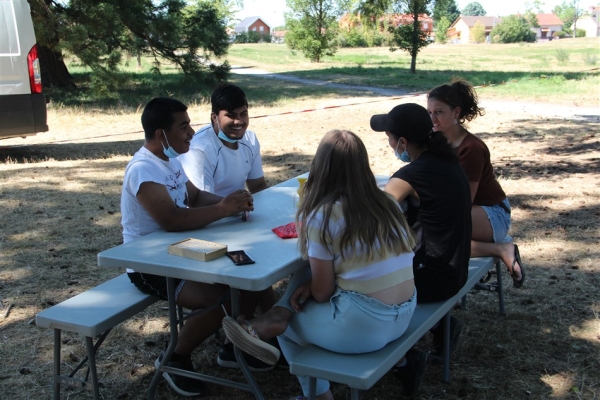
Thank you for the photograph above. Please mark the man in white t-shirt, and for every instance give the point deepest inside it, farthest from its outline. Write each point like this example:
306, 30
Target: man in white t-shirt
224, 156
158, 195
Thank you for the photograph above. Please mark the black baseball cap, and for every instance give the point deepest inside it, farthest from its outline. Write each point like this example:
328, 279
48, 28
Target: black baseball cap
410, 121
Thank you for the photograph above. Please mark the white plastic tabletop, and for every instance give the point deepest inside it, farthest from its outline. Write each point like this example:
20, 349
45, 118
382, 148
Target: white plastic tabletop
275, 258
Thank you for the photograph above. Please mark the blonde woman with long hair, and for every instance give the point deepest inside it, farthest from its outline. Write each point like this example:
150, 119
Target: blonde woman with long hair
357, 292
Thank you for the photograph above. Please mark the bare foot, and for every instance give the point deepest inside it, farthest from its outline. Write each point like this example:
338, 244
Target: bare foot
509, 259
270, 324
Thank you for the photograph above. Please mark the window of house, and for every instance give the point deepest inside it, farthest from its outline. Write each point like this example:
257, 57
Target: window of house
262, 28
254, 29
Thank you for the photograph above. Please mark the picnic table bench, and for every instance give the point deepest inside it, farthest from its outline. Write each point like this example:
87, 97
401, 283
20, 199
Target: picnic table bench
95, 312
362, 371
92, 313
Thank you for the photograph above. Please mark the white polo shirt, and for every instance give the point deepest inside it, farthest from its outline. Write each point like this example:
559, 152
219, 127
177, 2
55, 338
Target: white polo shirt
215, 168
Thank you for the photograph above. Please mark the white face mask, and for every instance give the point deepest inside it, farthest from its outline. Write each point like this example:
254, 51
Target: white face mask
222, 135
404, 156
169, 151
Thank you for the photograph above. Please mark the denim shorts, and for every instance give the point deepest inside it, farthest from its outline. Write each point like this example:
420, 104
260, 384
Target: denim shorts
499, 218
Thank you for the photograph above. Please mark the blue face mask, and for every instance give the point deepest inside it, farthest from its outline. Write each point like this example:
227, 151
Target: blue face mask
222, 135
402, 157
168, 151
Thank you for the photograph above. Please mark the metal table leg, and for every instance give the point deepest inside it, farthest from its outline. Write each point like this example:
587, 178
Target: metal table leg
251, 386
235, 312
173, 328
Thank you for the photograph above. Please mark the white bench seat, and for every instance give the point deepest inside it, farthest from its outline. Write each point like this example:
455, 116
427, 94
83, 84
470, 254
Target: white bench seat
92, 313
362, 371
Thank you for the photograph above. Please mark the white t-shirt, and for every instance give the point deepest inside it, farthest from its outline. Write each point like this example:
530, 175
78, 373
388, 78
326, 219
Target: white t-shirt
146, 167
356, 274
215, 168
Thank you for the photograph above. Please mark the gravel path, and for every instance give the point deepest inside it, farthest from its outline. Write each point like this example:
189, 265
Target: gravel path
269, 75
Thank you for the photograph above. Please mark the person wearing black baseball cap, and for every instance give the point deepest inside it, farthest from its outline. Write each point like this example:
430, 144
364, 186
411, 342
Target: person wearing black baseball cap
439, 212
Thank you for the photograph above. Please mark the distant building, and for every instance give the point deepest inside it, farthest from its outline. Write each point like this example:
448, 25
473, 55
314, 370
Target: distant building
460, 30
590, 23
549, 23
253, 24
278, 36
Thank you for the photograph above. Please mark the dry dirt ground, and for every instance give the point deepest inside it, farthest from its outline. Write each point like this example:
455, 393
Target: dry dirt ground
59, 199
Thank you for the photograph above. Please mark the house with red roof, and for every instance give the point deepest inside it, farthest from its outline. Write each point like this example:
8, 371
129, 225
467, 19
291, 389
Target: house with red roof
253, 24
549, 23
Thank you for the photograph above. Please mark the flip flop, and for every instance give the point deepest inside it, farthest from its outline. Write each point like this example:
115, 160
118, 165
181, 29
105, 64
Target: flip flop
516, 282
249, 342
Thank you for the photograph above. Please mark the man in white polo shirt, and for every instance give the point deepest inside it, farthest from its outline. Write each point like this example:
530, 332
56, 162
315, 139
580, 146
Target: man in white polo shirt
224, 156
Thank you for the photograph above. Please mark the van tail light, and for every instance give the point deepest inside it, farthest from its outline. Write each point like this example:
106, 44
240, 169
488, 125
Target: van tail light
35, 75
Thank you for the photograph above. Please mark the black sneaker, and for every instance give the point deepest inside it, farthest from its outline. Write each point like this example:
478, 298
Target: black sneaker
438, 336
411, 374
226, 358
181, 384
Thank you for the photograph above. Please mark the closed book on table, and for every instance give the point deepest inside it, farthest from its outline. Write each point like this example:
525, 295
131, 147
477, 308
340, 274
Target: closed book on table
198, 249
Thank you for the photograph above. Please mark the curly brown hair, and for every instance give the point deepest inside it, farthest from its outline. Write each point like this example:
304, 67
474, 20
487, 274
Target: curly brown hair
459, 93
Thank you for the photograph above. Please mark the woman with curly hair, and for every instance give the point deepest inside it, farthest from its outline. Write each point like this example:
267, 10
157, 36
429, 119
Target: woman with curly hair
450, 106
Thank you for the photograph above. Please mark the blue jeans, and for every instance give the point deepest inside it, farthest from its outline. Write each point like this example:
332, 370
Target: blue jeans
348, 323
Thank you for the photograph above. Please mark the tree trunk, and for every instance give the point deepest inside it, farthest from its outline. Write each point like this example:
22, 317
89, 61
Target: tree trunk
54, 70
415, 37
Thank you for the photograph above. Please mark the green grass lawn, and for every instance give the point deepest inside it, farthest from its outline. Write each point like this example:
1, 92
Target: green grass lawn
562, 70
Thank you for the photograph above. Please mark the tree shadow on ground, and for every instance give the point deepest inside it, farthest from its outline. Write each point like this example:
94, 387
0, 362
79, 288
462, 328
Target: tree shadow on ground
567, 138
141, 87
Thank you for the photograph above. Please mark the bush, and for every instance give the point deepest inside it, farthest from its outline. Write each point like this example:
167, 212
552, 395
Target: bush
241, 37
513, 29
478, 32
559, 34
562, 55
590, 58
252, 37
567, 32
355, 39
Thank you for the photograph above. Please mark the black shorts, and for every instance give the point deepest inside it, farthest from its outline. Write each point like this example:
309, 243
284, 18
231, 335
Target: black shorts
155, 285
433, 286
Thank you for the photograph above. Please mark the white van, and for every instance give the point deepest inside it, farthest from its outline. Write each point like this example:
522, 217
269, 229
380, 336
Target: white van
22, 103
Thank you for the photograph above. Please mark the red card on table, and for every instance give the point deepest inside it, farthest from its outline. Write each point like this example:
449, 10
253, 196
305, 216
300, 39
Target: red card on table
286, 231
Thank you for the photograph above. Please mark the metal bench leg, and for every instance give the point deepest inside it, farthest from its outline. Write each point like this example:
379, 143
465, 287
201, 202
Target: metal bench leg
446, 376
312, 388
92, 366
500, 288
57, 377
354, 394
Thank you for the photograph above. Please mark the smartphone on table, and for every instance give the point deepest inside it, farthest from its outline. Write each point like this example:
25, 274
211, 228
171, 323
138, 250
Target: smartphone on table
239, 257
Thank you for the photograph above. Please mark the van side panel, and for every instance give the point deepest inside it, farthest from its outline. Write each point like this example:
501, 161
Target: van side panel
22, 113
17, 37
